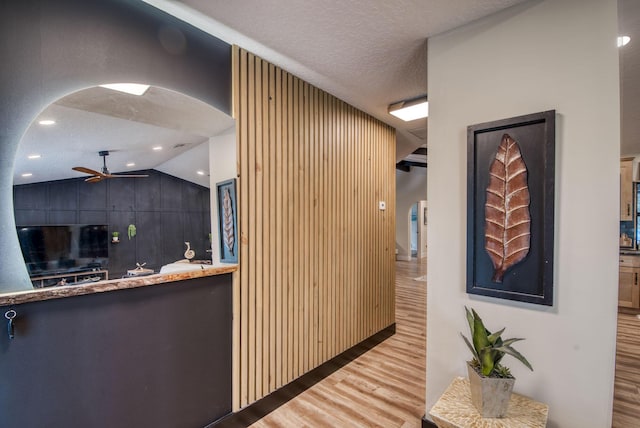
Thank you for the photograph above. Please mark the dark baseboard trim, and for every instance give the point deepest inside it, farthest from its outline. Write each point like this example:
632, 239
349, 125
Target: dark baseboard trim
277, 398
427, 423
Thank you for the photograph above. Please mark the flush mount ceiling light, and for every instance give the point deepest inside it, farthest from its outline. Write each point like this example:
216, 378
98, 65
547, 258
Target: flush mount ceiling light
409, 110
47, 122
623, 40
27, 174
34, 156
130, 164
157, 148
200, 172
129, 88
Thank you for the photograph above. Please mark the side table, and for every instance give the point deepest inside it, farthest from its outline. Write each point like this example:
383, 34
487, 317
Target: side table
454, 409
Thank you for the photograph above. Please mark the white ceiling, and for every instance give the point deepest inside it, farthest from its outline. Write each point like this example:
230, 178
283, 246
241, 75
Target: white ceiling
128, 127
369, 53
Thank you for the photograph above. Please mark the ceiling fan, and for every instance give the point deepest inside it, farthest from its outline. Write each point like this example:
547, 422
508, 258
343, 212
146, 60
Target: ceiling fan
99, 176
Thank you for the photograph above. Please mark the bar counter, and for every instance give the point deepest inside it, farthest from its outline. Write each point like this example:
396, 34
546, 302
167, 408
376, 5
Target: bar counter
57, 292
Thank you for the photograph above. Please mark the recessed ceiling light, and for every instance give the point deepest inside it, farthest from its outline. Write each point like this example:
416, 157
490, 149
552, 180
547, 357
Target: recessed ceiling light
623, 40
410, 110
47, 122
34, 156
157, 148
129, 88
130, 164
27, 174
200, 172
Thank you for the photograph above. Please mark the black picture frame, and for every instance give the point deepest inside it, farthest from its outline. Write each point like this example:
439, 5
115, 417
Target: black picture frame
530, 280
227, 215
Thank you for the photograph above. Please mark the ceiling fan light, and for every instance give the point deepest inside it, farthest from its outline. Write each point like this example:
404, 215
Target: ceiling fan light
410, 110
128, 88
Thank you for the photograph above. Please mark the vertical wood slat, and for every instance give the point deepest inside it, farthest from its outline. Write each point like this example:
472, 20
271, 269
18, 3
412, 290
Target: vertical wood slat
316, 260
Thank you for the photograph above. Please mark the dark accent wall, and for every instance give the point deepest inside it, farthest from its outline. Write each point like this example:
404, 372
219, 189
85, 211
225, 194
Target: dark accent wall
166, 210
156, 356
50, 49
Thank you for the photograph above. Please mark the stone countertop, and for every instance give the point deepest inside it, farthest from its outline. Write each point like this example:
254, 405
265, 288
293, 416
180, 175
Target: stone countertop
454, 409
35, 295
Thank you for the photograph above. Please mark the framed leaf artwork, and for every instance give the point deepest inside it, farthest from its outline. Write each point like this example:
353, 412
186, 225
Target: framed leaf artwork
227, 221
510, 197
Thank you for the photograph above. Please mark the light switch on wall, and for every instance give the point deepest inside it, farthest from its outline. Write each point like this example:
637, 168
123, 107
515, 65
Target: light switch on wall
382, 205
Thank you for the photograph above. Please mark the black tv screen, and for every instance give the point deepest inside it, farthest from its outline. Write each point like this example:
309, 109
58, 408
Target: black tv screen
49, 250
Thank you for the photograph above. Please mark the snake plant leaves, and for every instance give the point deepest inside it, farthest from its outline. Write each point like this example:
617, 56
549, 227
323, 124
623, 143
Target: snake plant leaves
470, 346
488, 348
517, 355
507, 217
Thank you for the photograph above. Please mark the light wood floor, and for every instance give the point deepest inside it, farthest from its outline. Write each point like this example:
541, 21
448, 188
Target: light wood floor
384, 387
626, 397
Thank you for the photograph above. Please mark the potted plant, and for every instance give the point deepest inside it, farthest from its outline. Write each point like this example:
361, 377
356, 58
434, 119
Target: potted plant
115, 237
491, 382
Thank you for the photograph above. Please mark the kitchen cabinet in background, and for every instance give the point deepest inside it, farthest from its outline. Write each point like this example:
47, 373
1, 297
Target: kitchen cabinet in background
629, 282
626, 189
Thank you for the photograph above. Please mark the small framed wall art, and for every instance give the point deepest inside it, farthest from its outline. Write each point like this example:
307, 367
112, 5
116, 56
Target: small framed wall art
227, 221
510, 203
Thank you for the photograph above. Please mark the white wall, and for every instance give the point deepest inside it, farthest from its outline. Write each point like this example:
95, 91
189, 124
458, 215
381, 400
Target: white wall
222, 166
542, 55
411, 187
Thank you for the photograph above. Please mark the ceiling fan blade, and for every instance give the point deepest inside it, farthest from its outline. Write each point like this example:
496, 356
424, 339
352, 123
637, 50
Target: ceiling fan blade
126, 176
86, 170
94, 179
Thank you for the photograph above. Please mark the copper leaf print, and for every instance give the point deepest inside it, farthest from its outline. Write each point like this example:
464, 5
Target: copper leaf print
227, 221
507, 228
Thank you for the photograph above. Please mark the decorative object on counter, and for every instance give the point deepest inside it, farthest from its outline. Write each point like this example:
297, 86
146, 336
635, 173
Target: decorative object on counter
625, 240
227, 223
189, 254
510, 197
139, 270
131, 231
115, 237
491, 382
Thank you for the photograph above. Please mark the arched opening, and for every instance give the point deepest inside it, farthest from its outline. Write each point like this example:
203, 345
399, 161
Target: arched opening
176, 146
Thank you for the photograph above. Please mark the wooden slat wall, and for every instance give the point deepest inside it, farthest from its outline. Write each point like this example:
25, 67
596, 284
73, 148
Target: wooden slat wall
317, 255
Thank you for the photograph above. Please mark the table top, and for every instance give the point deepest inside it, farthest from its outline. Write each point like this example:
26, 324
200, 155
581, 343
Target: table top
454, 409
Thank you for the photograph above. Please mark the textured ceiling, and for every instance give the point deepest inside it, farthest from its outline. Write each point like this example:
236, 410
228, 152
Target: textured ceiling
370, 53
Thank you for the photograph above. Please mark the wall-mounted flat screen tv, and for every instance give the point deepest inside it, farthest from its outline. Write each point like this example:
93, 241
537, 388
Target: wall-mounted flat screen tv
54, 249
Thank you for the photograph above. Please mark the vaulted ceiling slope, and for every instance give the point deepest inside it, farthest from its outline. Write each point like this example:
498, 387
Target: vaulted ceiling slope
370, 53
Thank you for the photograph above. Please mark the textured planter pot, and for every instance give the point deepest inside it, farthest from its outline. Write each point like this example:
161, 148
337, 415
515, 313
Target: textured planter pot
490, 395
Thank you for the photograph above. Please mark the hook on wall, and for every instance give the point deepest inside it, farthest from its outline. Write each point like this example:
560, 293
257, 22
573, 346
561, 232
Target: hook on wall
10, 315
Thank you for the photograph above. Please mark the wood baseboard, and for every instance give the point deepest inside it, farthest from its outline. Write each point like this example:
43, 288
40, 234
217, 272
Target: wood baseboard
266, 405
404, 258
